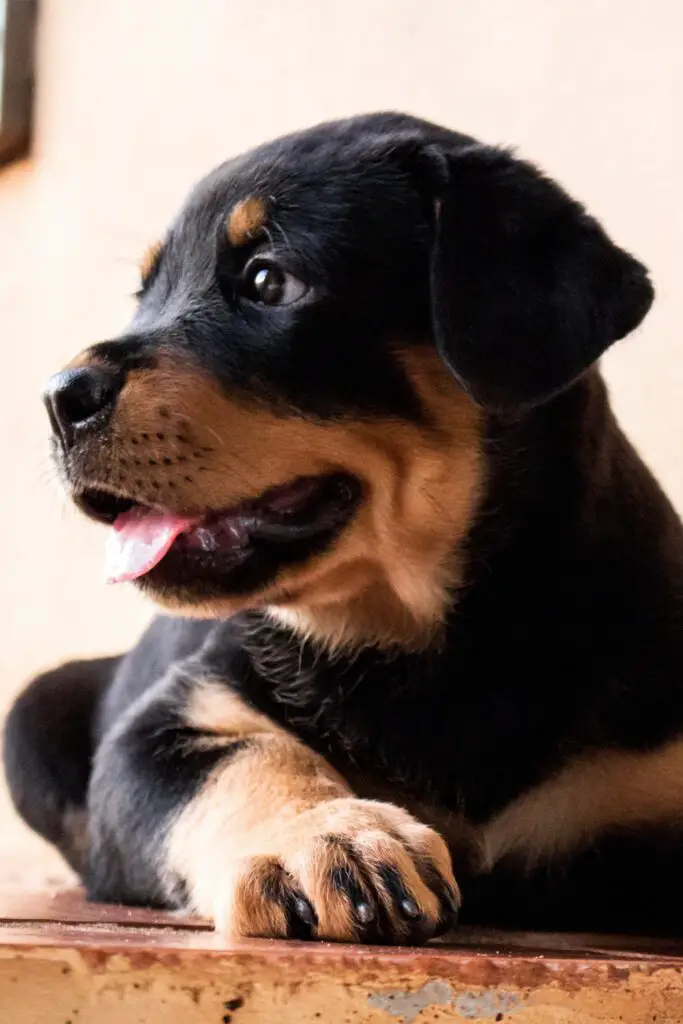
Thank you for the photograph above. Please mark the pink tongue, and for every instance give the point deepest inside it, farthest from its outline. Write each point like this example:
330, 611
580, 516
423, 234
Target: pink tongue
138, 541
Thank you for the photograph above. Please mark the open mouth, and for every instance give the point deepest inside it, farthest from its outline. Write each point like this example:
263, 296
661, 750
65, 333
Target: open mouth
282, 525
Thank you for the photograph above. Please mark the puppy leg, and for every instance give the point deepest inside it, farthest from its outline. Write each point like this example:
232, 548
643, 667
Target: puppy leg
200, 801
48, 746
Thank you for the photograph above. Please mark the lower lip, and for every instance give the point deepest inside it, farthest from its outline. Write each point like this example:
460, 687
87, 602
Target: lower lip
229, 538
287, 516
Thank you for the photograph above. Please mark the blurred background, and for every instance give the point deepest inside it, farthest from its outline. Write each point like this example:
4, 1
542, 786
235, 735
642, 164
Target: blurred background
135, 99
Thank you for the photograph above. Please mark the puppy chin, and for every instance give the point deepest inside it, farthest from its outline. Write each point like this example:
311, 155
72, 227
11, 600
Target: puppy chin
202, 608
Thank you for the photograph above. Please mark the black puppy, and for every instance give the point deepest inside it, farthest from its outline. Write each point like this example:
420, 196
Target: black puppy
355, 427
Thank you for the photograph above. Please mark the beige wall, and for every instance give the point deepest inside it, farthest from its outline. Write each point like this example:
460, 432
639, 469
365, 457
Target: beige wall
137, 98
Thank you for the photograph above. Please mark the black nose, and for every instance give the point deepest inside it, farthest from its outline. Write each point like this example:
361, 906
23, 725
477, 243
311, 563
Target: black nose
73, 398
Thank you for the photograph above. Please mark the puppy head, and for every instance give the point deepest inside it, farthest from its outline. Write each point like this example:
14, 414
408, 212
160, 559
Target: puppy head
293, 418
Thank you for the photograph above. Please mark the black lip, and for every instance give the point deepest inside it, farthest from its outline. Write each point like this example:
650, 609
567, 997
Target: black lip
102, 506
276, 539
335, 497
195, 578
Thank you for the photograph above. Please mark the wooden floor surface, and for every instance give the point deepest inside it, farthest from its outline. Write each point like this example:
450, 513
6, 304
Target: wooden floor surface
63, 961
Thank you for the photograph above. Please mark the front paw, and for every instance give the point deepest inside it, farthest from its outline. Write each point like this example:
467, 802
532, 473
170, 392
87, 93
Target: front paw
347, 870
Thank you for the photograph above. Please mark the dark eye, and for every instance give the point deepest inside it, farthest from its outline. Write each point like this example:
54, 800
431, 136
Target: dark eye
265, 282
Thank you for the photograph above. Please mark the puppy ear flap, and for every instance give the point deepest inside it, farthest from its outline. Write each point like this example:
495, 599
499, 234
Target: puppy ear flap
527, 290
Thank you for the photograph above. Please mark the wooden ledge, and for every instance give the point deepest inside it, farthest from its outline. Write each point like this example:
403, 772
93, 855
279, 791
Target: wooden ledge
63, 961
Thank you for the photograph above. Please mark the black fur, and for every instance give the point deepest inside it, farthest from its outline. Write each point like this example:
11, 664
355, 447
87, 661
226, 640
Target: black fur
567, 634
50, 745
527, 289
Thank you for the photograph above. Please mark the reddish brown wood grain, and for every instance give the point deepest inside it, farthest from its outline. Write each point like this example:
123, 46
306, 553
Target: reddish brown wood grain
65, 961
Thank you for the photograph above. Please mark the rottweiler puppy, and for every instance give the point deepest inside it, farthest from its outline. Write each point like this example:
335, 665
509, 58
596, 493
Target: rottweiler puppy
427, 646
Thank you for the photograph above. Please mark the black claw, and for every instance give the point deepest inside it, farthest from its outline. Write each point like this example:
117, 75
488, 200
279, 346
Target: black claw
304, 910
448, 897
410, 908
450, 910
451, 902
346, 878
398, 892
300, 915
301, 918
364, 913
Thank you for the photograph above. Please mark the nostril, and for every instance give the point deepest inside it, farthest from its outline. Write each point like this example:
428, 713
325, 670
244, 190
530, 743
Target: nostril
82, 394
75, 396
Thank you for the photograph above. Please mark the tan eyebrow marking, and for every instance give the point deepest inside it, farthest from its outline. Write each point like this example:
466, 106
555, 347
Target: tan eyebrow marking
245, 220
149, 259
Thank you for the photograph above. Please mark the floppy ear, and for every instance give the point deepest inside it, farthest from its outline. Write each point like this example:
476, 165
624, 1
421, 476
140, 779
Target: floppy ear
527, 290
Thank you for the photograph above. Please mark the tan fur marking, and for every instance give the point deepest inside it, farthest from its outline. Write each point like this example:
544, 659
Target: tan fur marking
149, 258
267, 817
246, 910
390, 578
275, 778
76, 839
462, 838
88, 357
214, 709
598, 792
246, 220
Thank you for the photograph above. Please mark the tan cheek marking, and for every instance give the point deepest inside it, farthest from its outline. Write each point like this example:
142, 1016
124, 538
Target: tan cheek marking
588, 796
389, 576
245, 220
221, 451
148, 260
